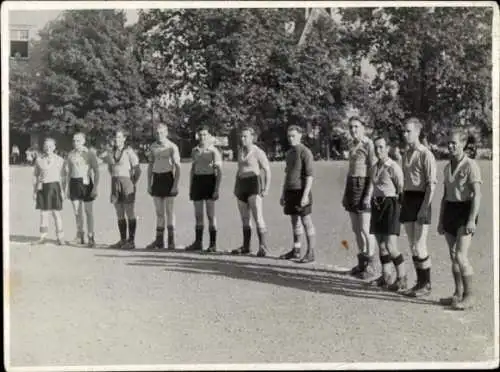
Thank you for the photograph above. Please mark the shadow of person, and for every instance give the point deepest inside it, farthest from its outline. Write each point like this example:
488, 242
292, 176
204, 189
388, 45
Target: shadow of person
25, 239
291, 276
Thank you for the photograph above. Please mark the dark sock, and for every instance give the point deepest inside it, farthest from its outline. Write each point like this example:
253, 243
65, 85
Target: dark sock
426, 272
198, 231
213, 236
122, 227
171, 236
296, 239
132, 226
160, 231
398, 261
247, 237
416, 264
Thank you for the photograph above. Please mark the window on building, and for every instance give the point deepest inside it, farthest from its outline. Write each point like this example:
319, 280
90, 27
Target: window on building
18, 49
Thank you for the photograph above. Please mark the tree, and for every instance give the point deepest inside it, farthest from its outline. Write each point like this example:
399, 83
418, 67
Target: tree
435, 69
89, 79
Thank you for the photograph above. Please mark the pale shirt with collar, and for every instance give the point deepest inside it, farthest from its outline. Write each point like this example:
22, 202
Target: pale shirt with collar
205, 160
459, 184
387, 178
419, 168
163, 157
252, 162
49, 168
361, 158
81, 162
121, 164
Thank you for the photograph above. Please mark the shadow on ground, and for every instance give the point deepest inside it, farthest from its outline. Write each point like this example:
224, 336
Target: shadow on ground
290, 276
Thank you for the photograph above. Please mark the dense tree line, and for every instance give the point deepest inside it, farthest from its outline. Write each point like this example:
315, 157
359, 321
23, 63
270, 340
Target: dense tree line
234, 67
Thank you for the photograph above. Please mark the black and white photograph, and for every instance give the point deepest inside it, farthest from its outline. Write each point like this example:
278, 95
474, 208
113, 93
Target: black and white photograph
250, 185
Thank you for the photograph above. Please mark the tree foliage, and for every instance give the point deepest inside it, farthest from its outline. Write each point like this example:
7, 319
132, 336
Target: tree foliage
438, 60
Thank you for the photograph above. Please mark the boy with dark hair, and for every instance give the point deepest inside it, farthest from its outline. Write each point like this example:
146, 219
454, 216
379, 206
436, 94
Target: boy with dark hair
204, 187
296, 197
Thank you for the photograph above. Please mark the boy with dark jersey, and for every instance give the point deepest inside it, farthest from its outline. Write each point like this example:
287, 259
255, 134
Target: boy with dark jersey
419, 170
296, 197
164, 170
204, 187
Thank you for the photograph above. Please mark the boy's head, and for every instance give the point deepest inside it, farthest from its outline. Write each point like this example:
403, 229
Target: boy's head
203, 134
294, 134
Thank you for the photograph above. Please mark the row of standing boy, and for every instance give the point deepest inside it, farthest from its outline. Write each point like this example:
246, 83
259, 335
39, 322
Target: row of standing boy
379, 196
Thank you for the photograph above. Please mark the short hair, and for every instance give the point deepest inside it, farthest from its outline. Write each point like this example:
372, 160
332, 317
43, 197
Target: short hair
161, 125
122, 131
79, 134
296, 128
50, 139
464, 135
415, 121
203, 127
248, 128
382, 137
356, 118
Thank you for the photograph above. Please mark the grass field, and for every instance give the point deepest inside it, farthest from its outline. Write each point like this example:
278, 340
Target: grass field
80, 306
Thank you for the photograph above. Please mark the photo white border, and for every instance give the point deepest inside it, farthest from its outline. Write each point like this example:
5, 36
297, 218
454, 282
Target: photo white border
64, 5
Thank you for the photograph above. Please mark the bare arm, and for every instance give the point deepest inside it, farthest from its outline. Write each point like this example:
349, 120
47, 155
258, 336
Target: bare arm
431, 169
218, 169
476, 202
176, 159
36, 177
95, 169
264, 165
64, 176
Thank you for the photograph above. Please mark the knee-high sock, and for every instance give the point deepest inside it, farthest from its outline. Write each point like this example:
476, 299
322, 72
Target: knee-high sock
132, 226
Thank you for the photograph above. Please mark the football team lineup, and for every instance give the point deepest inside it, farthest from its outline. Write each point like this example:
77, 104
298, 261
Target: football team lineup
249, 278
380, 195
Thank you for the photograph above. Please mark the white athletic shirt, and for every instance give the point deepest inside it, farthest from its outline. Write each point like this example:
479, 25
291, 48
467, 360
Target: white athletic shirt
49, 168
419, 168
251, 163
458, 185
164, 157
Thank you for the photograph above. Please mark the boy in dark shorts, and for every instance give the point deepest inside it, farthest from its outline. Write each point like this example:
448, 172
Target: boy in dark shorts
387, 185
125, 170
164, 170
49, 181
419, 170
204, 187
83, 170
458, 217
296, 197
252, 183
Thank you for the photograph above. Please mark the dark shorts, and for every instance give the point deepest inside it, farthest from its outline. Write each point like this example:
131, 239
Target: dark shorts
456, 215
162, 185
122, 190
202, 187
356, 189
247, 187
79, 191
49, 198
410, 205
292, 203
384, 219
